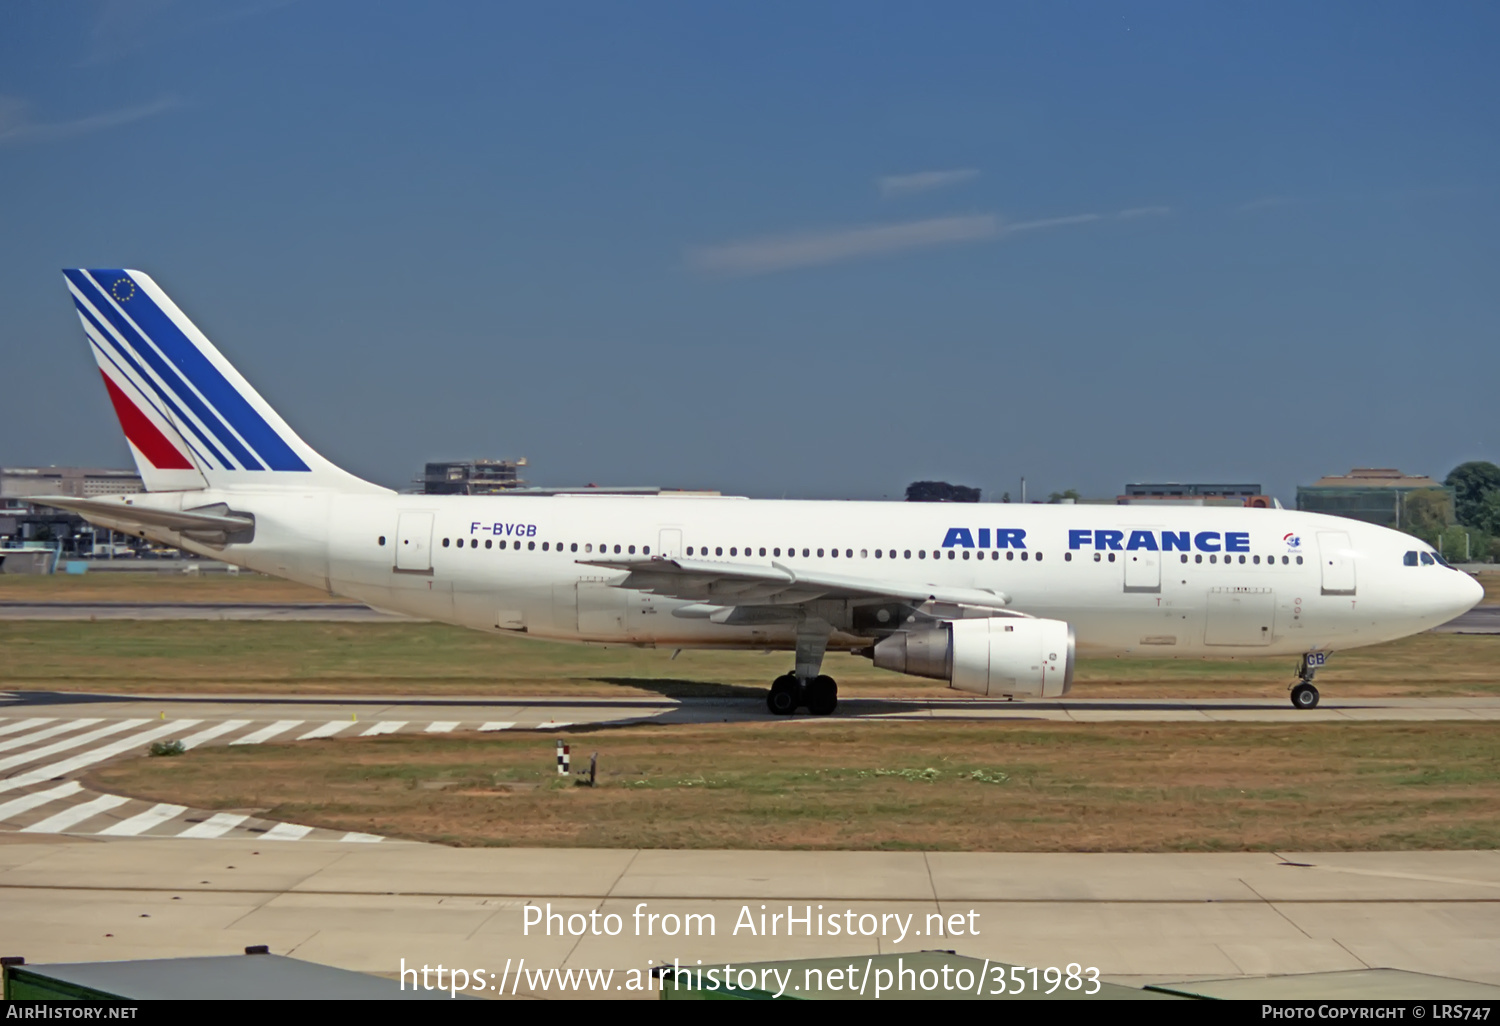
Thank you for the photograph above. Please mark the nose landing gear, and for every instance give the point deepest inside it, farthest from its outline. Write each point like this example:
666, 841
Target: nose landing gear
1304, 694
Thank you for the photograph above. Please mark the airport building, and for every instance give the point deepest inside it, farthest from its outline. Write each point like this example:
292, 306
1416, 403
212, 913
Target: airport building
1376, 495
1193, 494
472, 477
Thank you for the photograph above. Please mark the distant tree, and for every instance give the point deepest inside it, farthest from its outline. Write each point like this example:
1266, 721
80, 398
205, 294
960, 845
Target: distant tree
1465, 545
1473, 483
1487, 519
1071, 493
1425, 513
1005, 496
940, 491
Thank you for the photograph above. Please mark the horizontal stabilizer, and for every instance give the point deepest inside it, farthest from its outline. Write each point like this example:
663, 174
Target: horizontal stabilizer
213, 524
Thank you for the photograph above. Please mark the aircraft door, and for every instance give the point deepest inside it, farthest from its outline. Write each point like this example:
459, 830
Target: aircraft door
414, 543
669, 542
1337, 559
1143, 571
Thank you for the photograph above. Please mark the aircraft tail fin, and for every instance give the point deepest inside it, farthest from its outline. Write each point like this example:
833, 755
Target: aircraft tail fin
191, 419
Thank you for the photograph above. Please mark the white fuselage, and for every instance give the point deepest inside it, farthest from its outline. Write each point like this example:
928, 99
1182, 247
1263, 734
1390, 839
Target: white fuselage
1159, 582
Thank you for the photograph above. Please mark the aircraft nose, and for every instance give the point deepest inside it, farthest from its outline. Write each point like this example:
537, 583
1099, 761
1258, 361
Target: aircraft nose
1467, 592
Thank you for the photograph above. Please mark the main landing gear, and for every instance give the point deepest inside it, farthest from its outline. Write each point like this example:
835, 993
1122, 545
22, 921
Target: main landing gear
805, 686
1304, 695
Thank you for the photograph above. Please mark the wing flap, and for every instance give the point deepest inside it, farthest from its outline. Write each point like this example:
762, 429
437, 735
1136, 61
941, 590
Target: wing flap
210, 523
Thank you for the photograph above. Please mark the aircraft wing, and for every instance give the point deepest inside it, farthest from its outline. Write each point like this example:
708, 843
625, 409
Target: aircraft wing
748, 584
210, 523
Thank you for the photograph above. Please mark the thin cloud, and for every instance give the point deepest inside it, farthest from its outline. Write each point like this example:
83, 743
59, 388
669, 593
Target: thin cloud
811, 249
893, 186
778, 253
16, 125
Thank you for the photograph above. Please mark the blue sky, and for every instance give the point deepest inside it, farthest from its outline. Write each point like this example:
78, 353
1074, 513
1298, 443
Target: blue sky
813, 250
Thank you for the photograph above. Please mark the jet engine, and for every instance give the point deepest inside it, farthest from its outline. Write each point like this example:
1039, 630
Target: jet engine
993, 656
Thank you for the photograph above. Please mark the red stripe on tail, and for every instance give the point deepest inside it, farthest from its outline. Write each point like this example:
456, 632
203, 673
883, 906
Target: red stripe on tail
143, 434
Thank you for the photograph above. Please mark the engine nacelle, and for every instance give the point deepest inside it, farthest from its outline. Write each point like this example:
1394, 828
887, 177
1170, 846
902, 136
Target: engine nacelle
994, 656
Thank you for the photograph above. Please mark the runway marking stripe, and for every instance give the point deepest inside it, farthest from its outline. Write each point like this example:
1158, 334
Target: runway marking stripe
77, 814
94, 755
497, 725
441, 727
140, 823
208, 734
554, 726
266, 733
72, 742
360, 838
286, 832
42, 735
326, 730
27, 802
384, 727
35, 721
217, 825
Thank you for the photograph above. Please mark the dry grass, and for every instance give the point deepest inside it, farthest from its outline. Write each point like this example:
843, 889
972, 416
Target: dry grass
968, 786
165, 586
177, 657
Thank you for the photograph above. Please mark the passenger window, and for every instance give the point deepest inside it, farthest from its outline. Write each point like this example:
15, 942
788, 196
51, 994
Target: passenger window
502, 543
445, 543
1038, 557
1010, 554
762, 550
382, 539
544, 546
994, 554
617, 550
877, 553
1024, 554
1242, 559
734, 550
645, 550
1213, 559
952, 554
921, 553
1284, 561
573, 547
1299, 560
530, 545
719, 550
848, 553
908, 553
835, 553
1184, 557
1410, 559
805, 552
1097, 557
775, 552
820, 553
632, 550
1068, 557
488, 543
473, 543
1198, 558
1427, 559
1257, 561
966, 553
1111, 556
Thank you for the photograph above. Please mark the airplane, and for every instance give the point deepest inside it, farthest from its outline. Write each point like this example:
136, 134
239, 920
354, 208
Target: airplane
996, 600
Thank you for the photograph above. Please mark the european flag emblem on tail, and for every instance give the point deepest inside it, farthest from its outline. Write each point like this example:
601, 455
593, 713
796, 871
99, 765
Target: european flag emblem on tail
191, 420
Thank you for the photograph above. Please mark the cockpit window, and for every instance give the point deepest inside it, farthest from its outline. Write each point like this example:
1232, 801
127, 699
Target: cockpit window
1410, 559
1427, 559
1441, 561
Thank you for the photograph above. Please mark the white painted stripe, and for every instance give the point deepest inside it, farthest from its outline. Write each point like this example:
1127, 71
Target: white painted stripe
144, 821
35, 721
286, 832
77, 814
27, 802
72, 742
497, 725
42, 735
94, 755
217, 825
384, 727
266, 733
328, 729
559, 725
209, 733
359, 838
441, 727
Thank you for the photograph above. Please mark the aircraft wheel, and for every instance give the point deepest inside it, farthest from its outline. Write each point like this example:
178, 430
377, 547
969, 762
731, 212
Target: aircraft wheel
785, 695
1305, 696
822, 696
